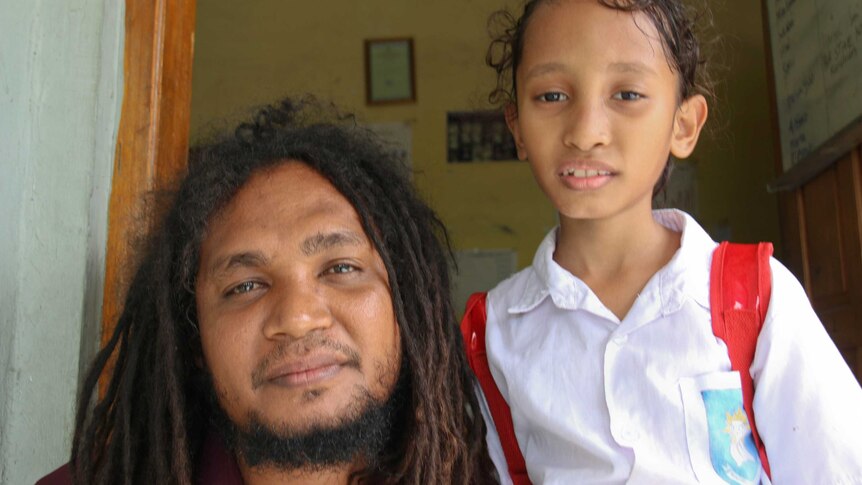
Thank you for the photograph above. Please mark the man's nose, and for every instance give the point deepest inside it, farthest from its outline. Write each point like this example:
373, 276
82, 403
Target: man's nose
587, 125
297, 309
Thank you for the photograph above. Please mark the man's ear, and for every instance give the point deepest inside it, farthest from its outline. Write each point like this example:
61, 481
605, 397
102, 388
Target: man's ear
688, 121
511, 113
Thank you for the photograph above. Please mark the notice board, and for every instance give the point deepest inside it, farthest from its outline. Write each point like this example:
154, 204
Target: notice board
817, 66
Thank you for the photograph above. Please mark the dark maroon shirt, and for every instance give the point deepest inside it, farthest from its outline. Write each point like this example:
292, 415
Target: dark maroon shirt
216, 466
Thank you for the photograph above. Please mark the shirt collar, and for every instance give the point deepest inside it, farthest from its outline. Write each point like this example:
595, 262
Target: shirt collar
538, 280
687, 273
689, 269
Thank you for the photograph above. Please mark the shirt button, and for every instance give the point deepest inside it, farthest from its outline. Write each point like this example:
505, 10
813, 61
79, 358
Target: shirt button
620, 339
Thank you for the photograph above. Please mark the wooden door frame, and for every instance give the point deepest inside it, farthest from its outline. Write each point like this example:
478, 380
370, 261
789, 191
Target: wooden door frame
153, 136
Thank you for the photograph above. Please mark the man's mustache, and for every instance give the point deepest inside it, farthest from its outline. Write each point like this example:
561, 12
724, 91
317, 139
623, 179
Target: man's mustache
297, 349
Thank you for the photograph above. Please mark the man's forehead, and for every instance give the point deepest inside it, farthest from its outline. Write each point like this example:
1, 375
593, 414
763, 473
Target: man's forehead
317, 243
297, 185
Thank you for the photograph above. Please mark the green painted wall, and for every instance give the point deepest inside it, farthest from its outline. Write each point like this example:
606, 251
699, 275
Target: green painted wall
60, 88
251, 53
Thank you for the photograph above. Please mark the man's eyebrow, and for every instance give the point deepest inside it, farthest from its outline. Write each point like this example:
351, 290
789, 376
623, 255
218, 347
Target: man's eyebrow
321, 242
247, 259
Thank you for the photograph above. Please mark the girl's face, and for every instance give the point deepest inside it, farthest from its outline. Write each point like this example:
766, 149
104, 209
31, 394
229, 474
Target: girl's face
598, 110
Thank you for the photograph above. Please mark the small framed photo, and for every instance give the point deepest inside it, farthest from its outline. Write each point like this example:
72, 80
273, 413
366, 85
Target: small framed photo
389, 71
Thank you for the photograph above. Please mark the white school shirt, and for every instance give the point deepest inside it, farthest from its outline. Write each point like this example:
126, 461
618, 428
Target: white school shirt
650, 399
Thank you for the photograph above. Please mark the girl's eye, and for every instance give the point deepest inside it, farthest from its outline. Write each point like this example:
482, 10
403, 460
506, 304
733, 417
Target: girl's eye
628, 96
552, 97
244, 287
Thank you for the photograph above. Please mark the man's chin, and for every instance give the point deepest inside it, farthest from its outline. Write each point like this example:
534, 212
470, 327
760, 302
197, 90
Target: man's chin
360, 434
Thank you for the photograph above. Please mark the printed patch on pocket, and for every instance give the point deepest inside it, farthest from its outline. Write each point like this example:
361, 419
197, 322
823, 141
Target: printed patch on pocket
731, 445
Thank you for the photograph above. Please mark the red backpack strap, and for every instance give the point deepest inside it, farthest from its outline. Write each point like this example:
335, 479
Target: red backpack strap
740, 287
473, 332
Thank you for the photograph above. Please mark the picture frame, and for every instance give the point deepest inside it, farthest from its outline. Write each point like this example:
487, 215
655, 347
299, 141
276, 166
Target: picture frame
389, 71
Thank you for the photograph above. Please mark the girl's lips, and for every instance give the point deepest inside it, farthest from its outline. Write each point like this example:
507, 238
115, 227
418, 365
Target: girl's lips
586, 180
585, 174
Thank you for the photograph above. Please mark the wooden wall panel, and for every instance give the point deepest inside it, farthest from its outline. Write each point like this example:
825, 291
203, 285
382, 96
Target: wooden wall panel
830, 222
824, 236
847, 328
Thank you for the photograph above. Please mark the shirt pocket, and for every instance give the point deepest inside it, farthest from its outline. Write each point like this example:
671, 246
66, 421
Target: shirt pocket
720, 445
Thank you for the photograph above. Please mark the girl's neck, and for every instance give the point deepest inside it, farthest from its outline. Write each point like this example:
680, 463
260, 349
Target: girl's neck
603, 246
615, 256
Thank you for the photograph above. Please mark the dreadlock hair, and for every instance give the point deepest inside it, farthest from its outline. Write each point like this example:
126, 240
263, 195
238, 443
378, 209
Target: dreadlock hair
149, 426
674, 20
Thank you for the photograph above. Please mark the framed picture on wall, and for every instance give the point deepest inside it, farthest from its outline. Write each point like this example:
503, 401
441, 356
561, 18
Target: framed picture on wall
389, 71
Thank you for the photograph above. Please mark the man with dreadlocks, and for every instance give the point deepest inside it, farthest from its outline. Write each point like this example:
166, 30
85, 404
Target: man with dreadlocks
290, 323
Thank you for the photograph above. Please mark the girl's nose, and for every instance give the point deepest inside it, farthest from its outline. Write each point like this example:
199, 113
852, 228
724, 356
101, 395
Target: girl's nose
587, 126
297, 309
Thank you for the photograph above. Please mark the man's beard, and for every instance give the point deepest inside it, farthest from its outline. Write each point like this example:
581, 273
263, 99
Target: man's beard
361, 435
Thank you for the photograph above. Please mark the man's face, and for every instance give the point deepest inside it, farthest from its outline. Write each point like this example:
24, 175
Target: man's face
294, 308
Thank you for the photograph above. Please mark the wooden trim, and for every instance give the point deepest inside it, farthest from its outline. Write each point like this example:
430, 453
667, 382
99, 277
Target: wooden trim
836, 201
803, 241
152, 141
855, 160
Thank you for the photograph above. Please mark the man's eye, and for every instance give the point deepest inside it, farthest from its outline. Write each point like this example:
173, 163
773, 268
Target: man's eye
552, 97
244, 287
341, 268
628, 96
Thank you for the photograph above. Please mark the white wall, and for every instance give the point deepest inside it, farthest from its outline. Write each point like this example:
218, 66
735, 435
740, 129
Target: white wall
60, 90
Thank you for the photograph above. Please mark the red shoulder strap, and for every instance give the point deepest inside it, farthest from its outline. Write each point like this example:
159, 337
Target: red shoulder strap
740, 287
473, 332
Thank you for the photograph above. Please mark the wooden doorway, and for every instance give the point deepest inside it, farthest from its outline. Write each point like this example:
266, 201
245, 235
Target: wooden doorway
153, 137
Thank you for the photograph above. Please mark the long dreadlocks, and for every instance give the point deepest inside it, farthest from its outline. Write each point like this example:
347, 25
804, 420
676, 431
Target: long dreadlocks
150, 424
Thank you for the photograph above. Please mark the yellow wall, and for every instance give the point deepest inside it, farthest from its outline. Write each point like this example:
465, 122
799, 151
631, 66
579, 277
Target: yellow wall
737, 160
247, 56
251, 53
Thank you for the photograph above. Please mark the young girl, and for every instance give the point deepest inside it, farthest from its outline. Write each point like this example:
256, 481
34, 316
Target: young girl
603, 348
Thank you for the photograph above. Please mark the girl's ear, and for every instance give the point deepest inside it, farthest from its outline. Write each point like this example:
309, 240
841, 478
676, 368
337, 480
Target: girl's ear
511, 113
688, 121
